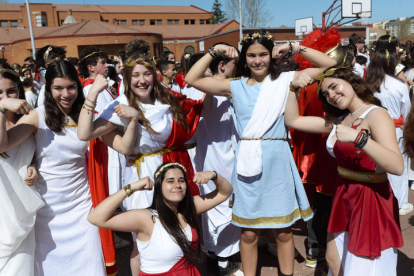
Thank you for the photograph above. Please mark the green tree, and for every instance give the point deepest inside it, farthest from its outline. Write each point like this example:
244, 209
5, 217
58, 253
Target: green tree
218, 16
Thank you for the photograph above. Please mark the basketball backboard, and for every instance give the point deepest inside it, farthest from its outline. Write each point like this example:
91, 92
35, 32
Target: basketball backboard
356, 8
303, 26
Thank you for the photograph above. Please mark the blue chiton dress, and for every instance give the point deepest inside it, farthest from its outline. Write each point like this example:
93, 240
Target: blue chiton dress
275, 198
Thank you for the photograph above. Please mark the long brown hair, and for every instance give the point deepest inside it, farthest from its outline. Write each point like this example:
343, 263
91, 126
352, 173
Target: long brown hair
362, 90
383, 63
158, 93
170, 220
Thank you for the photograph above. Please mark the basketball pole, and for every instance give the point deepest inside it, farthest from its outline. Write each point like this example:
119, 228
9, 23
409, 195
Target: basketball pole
31, 30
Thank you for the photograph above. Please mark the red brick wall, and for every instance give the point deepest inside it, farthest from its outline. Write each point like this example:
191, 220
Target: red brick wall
17, 52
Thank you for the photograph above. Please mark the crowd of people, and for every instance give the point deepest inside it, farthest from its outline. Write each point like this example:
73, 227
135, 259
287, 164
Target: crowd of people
205, 159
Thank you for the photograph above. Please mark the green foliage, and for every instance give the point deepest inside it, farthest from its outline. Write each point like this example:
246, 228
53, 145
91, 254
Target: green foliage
219, 16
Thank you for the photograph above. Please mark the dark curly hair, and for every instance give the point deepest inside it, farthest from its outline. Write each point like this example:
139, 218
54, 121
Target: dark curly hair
362, 90
170, 220
54, 116
87, 58
53, 53
274, 69
158, 92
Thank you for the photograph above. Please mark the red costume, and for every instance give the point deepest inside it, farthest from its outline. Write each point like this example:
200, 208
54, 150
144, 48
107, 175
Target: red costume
367, 209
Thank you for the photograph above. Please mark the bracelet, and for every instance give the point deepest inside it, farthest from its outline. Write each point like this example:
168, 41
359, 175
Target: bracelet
212, 52
302, 50
290, 52
293, 89
4, 111
363, 140
93, 107
83, 107
358, 138
215, 176
94, 103
128, 190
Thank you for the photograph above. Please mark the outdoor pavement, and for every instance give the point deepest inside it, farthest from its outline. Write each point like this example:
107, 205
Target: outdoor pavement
268, 265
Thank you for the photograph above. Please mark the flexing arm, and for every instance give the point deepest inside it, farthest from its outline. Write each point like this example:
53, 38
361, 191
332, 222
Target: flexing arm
26, 126
195, 77
87, 128
131, 221
309, 124
382, 147
211, 200
123, 144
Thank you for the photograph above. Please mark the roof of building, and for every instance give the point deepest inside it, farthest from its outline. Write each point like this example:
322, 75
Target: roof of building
112, 8
170, 32
83, 28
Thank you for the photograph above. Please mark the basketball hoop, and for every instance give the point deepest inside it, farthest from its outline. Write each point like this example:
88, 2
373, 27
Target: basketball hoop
352, 9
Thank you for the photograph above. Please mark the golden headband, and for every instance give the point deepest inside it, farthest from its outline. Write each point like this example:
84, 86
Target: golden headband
387, 54
389, 40
130, 63
169, 165
46, 54
327, 73
153, 59
257, 35
6, 70
91, 54
24, 69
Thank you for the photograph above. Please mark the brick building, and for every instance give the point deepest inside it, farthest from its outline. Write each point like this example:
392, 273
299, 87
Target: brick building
53, 15
73, 38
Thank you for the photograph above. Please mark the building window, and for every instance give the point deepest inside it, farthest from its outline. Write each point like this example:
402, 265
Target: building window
41, 20
142, 22
13, 23
169, 22
208, 21
152, 22
134, 22
176, 22
123, 22
186, 21
189, 50
192, 21
4, 24
159, 22
201, 21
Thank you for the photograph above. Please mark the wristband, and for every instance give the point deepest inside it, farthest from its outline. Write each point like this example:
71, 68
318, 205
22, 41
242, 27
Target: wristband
212, 52
215, 176
128, 190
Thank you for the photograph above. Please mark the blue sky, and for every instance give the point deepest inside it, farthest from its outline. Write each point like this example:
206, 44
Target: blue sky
283, 12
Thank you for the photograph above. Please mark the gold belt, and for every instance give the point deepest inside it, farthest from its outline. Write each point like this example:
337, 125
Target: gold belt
363, 176
253, 139
136, 159
190, 146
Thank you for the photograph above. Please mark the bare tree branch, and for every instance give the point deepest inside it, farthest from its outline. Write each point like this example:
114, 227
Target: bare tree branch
254, 12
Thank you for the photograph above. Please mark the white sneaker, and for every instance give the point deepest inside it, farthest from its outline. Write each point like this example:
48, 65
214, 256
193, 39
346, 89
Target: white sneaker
406, 208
